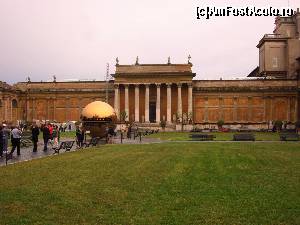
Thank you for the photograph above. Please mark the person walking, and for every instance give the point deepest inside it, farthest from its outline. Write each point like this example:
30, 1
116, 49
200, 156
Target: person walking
79, 138
55, 134
129, 132
6, 136
1, 141
35, 131
46, 136
16, 134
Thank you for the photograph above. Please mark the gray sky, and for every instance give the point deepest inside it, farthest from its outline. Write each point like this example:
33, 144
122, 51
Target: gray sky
76, 38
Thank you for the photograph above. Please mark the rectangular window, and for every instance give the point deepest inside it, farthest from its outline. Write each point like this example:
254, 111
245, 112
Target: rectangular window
275, 62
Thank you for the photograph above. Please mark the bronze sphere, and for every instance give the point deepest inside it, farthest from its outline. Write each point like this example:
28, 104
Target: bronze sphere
97, 117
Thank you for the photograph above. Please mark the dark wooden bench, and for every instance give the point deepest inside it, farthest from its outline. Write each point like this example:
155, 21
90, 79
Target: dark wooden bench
93, 142
26, 139
289, 137
67, 145
244, 137
202, 137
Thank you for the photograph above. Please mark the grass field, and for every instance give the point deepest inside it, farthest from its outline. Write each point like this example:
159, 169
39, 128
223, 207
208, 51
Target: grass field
220, 136
169, 183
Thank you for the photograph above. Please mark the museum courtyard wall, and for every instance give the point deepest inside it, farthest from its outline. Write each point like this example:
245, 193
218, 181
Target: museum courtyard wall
237, 102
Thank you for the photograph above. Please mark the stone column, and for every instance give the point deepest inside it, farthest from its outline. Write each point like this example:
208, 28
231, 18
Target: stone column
250, 119
157, 103
79, 106
179, 105
190, 98
169, 103
54, 108
67, 109
48, 108
271, 108
11, 109
127, 101
27, 109
147, 103
116, 103
235, 109
206, 109
296, 108
288, 109
5, 106
137, 103
33, 110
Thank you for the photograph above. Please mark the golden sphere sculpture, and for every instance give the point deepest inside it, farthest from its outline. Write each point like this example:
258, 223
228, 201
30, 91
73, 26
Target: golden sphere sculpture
97, 117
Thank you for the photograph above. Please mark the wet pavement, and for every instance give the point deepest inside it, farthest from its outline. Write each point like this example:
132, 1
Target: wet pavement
27, 153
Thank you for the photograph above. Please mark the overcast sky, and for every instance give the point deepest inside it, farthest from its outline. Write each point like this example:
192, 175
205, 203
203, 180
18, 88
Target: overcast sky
76, 38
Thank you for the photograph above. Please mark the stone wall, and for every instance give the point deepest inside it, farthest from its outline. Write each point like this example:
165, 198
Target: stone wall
245, 101
234, 101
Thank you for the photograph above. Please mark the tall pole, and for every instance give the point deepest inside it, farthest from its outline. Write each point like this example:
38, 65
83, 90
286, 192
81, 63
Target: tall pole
107, 81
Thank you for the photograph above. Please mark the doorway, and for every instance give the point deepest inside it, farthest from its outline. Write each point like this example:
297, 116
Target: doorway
152, 112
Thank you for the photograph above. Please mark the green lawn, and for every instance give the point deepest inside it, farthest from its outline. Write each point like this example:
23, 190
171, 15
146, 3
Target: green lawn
168, 183
220, 136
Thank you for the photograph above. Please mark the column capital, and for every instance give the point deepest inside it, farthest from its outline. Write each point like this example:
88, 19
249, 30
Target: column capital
190, 84
147, 85
169, 84
179, 85
126, 85
158, 85
116, 85
137, 85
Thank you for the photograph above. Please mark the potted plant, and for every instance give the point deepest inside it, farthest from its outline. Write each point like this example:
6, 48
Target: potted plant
163, 124
220, 124
278, 125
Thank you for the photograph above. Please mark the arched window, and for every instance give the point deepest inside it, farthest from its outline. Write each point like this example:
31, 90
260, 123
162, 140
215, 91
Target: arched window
14, 103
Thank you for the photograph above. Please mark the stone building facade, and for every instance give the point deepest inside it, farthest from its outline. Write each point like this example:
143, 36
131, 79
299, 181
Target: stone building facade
150, 93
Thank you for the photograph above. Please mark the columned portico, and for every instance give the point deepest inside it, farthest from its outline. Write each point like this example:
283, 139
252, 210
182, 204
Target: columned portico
157, 103
150, 93
169, 103
137, 103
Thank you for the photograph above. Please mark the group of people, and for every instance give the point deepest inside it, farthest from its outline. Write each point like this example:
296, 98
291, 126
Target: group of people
14, 133
51, 134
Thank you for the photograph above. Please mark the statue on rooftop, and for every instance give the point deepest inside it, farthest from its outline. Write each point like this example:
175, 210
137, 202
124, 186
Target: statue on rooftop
137, 61
28, 79
54, 78
117, 61
169, 60
189, 59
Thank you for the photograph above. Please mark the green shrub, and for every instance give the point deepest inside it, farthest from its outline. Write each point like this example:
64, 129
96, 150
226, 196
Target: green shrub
278, 124
163, 124
220, 123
